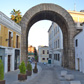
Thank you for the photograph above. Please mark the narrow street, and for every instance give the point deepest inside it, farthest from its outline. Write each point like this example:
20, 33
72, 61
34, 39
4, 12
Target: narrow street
47, 76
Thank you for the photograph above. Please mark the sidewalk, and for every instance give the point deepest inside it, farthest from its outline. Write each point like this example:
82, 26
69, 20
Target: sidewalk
78, 76
12, 77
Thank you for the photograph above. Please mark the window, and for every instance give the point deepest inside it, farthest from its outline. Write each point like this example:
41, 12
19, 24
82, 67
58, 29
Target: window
76, 42
50, 56
43, 51
58, 57
17, 41
43, 58
1, 57
47, 51
9, 39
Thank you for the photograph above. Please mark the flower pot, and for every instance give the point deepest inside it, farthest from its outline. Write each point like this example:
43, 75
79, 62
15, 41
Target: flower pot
2, 81
22, 77
29, 73
35, 70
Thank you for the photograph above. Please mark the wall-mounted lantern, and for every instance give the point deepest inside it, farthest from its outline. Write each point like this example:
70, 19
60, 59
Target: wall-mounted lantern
11, 37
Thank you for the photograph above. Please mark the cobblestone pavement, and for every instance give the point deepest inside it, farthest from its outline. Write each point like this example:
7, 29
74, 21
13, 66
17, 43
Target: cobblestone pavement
48, 74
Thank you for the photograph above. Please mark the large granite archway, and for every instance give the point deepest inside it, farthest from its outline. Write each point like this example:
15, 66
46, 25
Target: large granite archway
54, 13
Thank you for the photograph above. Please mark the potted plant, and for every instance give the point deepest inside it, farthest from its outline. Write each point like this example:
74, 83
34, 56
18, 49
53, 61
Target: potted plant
35, 70
2, 81
29, 69
22, 75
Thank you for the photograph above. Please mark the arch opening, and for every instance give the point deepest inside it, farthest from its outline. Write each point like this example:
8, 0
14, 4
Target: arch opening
65, 22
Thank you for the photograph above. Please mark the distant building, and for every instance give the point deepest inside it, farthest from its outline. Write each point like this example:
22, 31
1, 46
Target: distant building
10, 41
55, 44
31, 50
43, 54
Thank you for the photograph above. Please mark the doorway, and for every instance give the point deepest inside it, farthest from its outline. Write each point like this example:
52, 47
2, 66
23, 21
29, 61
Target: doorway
9, 62
78, 64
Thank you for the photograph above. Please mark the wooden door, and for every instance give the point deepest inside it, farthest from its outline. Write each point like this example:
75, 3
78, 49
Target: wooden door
8, 62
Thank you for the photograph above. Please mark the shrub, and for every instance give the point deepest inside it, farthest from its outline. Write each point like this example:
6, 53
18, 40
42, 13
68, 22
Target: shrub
1, 70
29, 66
22, 68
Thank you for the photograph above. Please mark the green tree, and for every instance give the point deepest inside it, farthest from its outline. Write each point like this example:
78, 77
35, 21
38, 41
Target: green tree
1, 70
16, 15
35, 54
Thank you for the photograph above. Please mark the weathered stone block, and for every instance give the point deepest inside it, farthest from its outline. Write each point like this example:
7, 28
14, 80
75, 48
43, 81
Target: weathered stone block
69, 77
75, 82
63, 73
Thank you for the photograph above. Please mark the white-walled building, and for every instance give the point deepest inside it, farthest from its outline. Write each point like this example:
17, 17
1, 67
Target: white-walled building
55, 43
79, 51
10, 41
43, 54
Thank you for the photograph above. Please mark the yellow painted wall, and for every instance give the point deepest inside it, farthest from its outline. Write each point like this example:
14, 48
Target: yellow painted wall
77, 16
45, 59
44, 55
4, 36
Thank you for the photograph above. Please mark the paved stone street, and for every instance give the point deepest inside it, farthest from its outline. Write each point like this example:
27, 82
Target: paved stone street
48, 74
12, 77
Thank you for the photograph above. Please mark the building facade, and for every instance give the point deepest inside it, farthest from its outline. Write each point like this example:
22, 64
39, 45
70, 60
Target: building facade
10, 38
31, 50
55, 44
43, 54
79, 51
56, 37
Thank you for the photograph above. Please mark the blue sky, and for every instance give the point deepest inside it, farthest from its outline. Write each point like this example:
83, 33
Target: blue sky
6, 6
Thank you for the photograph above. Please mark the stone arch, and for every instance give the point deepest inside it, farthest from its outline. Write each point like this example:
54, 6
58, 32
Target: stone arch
54, 13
